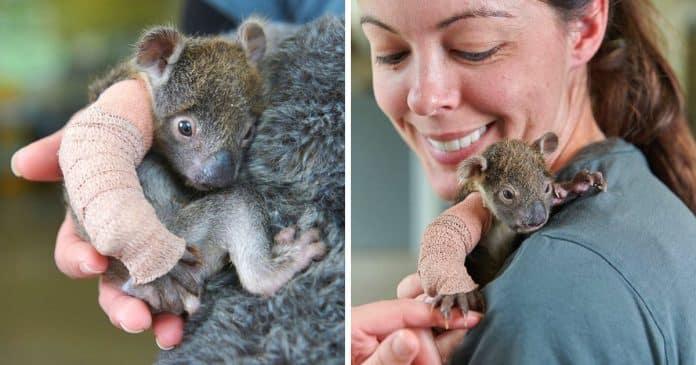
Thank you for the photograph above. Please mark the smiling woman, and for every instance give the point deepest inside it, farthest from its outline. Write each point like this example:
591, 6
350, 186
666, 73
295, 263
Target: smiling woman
453, 84
455, 77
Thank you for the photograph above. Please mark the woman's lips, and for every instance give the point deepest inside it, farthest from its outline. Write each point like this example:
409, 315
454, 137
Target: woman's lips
453, 150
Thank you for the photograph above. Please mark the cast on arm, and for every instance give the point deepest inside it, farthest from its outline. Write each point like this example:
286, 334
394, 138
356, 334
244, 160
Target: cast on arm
446, 243
101, 147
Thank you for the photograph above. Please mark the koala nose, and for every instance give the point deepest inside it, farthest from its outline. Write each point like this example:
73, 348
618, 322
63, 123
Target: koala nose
219, 171
537, 214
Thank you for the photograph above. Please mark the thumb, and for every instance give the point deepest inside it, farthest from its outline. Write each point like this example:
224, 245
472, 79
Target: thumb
401, 347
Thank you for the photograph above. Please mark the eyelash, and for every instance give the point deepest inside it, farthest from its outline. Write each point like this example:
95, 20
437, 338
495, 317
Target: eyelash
391, 59
396, 58
476, 56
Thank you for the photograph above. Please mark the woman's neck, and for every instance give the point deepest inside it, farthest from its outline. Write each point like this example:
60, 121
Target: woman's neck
585, 130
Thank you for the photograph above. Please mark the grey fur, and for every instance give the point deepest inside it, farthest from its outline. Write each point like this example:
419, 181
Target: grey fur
296, 163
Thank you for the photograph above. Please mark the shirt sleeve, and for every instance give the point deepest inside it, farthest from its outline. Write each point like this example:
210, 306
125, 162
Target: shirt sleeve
558, 302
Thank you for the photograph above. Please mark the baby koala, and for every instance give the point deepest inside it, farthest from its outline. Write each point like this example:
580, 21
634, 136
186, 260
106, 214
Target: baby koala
206, 96
520, 192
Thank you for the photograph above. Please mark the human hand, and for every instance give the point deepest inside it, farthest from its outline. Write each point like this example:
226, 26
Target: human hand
399, 332
78, 259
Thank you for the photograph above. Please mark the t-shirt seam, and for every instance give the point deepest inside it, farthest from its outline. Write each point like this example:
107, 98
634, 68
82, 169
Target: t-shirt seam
625, 279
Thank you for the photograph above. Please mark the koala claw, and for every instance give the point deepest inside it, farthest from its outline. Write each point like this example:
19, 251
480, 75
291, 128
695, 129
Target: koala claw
192, 256
598, 181
472, 300
177, 291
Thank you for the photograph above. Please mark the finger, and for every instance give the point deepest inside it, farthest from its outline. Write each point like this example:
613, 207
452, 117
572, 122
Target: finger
38, 161
383, 318
409, 287
401, 347
428, 353
168, 329
447, 342
75, 257
125, 312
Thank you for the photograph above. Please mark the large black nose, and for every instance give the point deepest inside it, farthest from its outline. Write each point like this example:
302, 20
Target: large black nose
537, 214
219, 170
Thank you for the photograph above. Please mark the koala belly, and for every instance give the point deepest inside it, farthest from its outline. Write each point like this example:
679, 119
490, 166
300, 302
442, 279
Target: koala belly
489, 256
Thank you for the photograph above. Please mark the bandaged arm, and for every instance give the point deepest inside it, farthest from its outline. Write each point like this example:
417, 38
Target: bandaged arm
102, 146
446, 243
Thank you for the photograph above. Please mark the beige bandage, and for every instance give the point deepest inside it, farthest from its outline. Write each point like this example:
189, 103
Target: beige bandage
102, 146
446, 242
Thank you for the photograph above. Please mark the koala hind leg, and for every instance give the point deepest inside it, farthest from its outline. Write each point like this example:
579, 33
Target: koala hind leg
264, 266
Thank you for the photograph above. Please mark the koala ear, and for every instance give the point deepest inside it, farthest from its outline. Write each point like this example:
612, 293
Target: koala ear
471, 167
157, 51
252, 37
546, 144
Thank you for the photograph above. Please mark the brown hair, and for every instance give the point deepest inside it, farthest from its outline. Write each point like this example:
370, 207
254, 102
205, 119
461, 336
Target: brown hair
636, 95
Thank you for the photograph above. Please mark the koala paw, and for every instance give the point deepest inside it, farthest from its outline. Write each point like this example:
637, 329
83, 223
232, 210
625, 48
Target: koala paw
307, 244
598, 181
176, 292
472, 300
586, 179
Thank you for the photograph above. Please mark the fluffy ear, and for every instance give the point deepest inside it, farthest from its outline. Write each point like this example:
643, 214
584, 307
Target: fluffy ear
252, 37
471, 167
546, 144
157, 51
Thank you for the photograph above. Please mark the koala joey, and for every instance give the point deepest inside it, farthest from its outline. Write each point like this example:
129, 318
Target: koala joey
520, 192
207, 96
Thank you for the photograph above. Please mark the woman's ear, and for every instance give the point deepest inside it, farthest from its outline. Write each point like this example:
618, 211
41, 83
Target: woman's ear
587, 31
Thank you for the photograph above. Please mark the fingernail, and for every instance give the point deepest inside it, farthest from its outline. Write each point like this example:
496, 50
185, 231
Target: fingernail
85, 268
123, 327
162, 347
400, 348
13, 166
472, 319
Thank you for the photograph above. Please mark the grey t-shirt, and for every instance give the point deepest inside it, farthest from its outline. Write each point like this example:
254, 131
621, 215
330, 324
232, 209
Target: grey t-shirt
611, 278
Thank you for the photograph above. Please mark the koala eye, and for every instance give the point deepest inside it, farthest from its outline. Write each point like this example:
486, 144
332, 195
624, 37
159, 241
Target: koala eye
185, 127
547, 188
507, 195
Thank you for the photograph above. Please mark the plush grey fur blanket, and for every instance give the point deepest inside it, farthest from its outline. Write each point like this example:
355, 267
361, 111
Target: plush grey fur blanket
296, 163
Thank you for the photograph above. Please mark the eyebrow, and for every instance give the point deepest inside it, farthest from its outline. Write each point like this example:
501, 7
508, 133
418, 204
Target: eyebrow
366, 19
476, 13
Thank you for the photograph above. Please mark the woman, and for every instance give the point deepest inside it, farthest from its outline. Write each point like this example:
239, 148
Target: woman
609, 278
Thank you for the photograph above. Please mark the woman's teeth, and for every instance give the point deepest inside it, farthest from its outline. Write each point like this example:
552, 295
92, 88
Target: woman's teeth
459, 143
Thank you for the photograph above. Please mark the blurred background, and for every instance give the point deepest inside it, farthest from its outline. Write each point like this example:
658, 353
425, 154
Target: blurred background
49, 51
391, 200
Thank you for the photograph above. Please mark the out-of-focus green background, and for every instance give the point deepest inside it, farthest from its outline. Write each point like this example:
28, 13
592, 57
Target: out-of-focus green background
49, 50
392, 202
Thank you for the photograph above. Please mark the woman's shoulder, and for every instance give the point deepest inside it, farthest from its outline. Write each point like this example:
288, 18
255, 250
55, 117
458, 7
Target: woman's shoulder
636, 226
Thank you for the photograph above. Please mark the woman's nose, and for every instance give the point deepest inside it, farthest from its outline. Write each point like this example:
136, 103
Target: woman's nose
432, 91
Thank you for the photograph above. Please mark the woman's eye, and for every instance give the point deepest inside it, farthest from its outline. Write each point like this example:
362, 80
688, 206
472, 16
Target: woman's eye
185, 127
476, 56
391, 59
